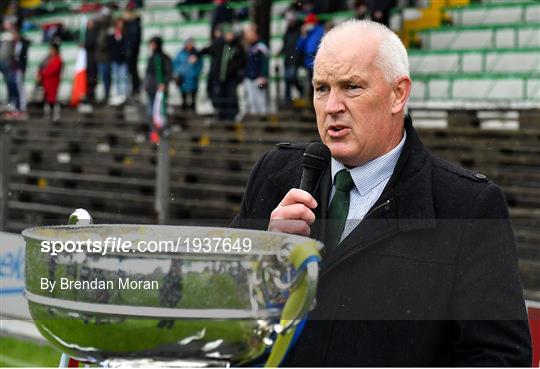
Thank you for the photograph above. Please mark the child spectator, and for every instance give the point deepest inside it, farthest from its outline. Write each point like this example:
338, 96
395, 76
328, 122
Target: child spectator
158, 76
187, 67
49, 75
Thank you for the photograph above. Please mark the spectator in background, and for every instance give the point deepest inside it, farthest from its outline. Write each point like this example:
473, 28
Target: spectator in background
7, 55
21, 45
133, 32
8, 69
214, 51
90, 45
360, 9
187, 67
158, 72
56, 32
291, 56
222, 14
186, 14
102, 52
227, 70
308, 43
256, 75
215, 47
49, 76
14, 14
380, 10
118, 51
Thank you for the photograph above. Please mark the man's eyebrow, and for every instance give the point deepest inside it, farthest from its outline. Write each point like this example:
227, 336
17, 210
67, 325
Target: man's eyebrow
351, 78
342, 80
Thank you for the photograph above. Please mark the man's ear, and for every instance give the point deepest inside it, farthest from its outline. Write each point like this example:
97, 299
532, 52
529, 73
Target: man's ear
402, 90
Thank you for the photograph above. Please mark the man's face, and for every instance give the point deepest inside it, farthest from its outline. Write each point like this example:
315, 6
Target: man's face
250, 35
229, 36
353, 102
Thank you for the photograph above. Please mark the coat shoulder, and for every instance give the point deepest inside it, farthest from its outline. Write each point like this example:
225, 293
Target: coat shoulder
282, 157
292, 146
447, 169
456, 189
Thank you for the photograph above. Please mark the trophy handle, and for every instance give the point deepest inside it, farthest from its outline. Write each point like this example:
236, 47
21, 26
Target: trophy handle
80, 217
305, 258
304, 287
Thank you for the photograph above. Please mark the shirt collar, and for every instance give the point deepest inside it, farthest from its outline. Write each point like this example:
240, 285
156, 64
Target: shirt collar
372, 173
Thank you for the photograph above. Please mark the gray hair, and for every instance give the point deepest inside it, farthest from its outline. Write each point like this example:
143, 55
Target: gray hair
391, 59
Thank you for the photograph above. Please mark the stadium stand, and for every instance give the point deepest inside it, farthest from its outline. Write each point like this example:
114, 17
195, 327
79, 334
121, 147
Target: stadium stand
476, 102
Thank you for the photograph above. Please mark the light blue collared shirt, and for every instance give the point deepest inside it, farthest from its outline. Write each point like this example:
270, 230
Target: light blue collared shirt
369, 182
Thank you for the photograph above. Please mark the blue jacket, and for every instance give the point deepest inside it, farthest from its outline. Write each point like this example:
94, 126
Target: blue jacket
188, 73
307, 45
257, 61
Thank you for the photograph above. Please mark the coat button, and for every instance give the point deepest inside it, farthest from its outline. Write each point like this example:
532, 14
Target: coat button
480, 176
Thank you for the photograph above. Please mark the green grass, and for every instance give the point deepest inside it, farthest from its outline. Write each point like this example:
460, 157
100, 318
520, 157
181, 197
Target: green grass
16, 352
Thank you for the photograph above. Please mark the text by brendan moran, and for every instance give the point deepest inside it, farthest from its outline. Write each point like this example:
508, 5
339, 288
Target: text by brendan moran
97, 284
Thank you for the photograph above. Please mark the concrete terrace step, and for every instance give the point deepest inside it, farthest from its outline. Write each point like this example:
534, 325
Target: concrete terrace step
482, 88
426, 62
495, 14
516, 35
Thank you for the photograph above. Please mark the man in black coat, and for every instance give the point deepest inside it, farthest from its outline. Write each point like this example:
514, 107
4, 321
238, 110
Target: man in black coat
90, 44
228, 61
133, 36
427, 275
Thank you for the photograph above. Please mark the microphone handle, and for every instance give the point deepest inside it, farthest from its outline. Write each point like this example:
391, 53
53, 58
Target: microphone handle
310, 179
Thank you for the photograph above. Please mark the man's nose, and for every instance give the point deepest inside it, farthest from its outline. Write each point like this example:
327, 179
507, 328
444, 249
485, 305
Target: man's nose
334, 104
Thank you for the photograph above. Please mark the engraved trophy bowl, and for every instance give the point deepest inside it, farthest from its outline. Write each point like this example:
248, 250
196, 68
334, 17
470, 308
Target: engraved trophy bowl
171, 295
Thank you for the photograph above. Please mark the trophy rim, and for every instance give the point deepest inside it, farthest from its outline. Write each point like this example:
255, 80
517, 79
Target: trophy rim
30, 233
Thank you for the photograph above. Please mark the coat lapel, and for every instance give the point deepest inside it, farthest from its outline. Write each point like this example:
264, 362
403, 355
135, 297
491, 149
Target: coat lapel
322, 193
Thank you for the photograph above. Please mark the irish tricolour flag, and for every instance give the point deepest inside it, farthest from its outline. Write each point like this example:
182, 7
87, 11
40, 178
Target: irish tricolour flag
78, 91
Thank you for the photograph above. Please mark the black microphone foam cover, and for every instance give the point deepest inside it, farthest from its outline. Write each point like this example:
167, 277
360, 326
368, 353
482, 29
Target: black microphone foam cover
317, 156
316, 160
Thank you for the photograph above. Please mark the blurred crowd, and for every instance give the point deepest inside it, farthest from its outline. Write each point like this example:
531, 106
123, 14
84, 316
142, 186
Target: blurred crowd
13, 61
112, 46
112, 38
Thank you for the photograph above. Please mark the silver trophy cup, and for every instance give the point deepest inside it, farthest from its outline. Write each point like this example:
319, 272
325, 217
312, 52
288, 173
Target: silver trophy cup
171, 295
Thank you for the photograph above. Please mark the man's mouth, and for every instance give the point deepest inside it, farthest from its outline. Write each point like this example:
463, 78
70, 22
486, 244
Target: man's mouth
337, 131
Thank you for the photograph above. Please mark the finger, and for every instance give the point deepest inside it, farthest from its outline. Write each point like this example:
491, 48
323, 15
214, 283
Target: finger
289, 226
294, 211
296, 195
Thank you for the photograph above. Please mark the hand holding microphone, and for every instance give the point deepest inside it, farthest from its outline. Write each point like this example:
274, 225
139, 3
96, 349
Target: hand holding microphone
294, 213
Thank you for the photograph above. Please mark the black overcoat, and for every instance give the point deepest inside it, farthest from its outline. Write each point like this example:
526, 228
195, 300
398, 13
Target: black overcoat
429, 277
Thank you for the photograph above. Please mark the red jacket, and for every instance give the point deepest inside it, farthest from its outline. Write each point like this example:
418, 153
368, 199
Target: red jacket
50, 73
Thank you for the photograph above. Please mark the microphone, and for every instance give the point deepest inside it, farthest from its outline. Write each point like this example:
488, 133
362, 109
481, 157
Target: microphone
316, 160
